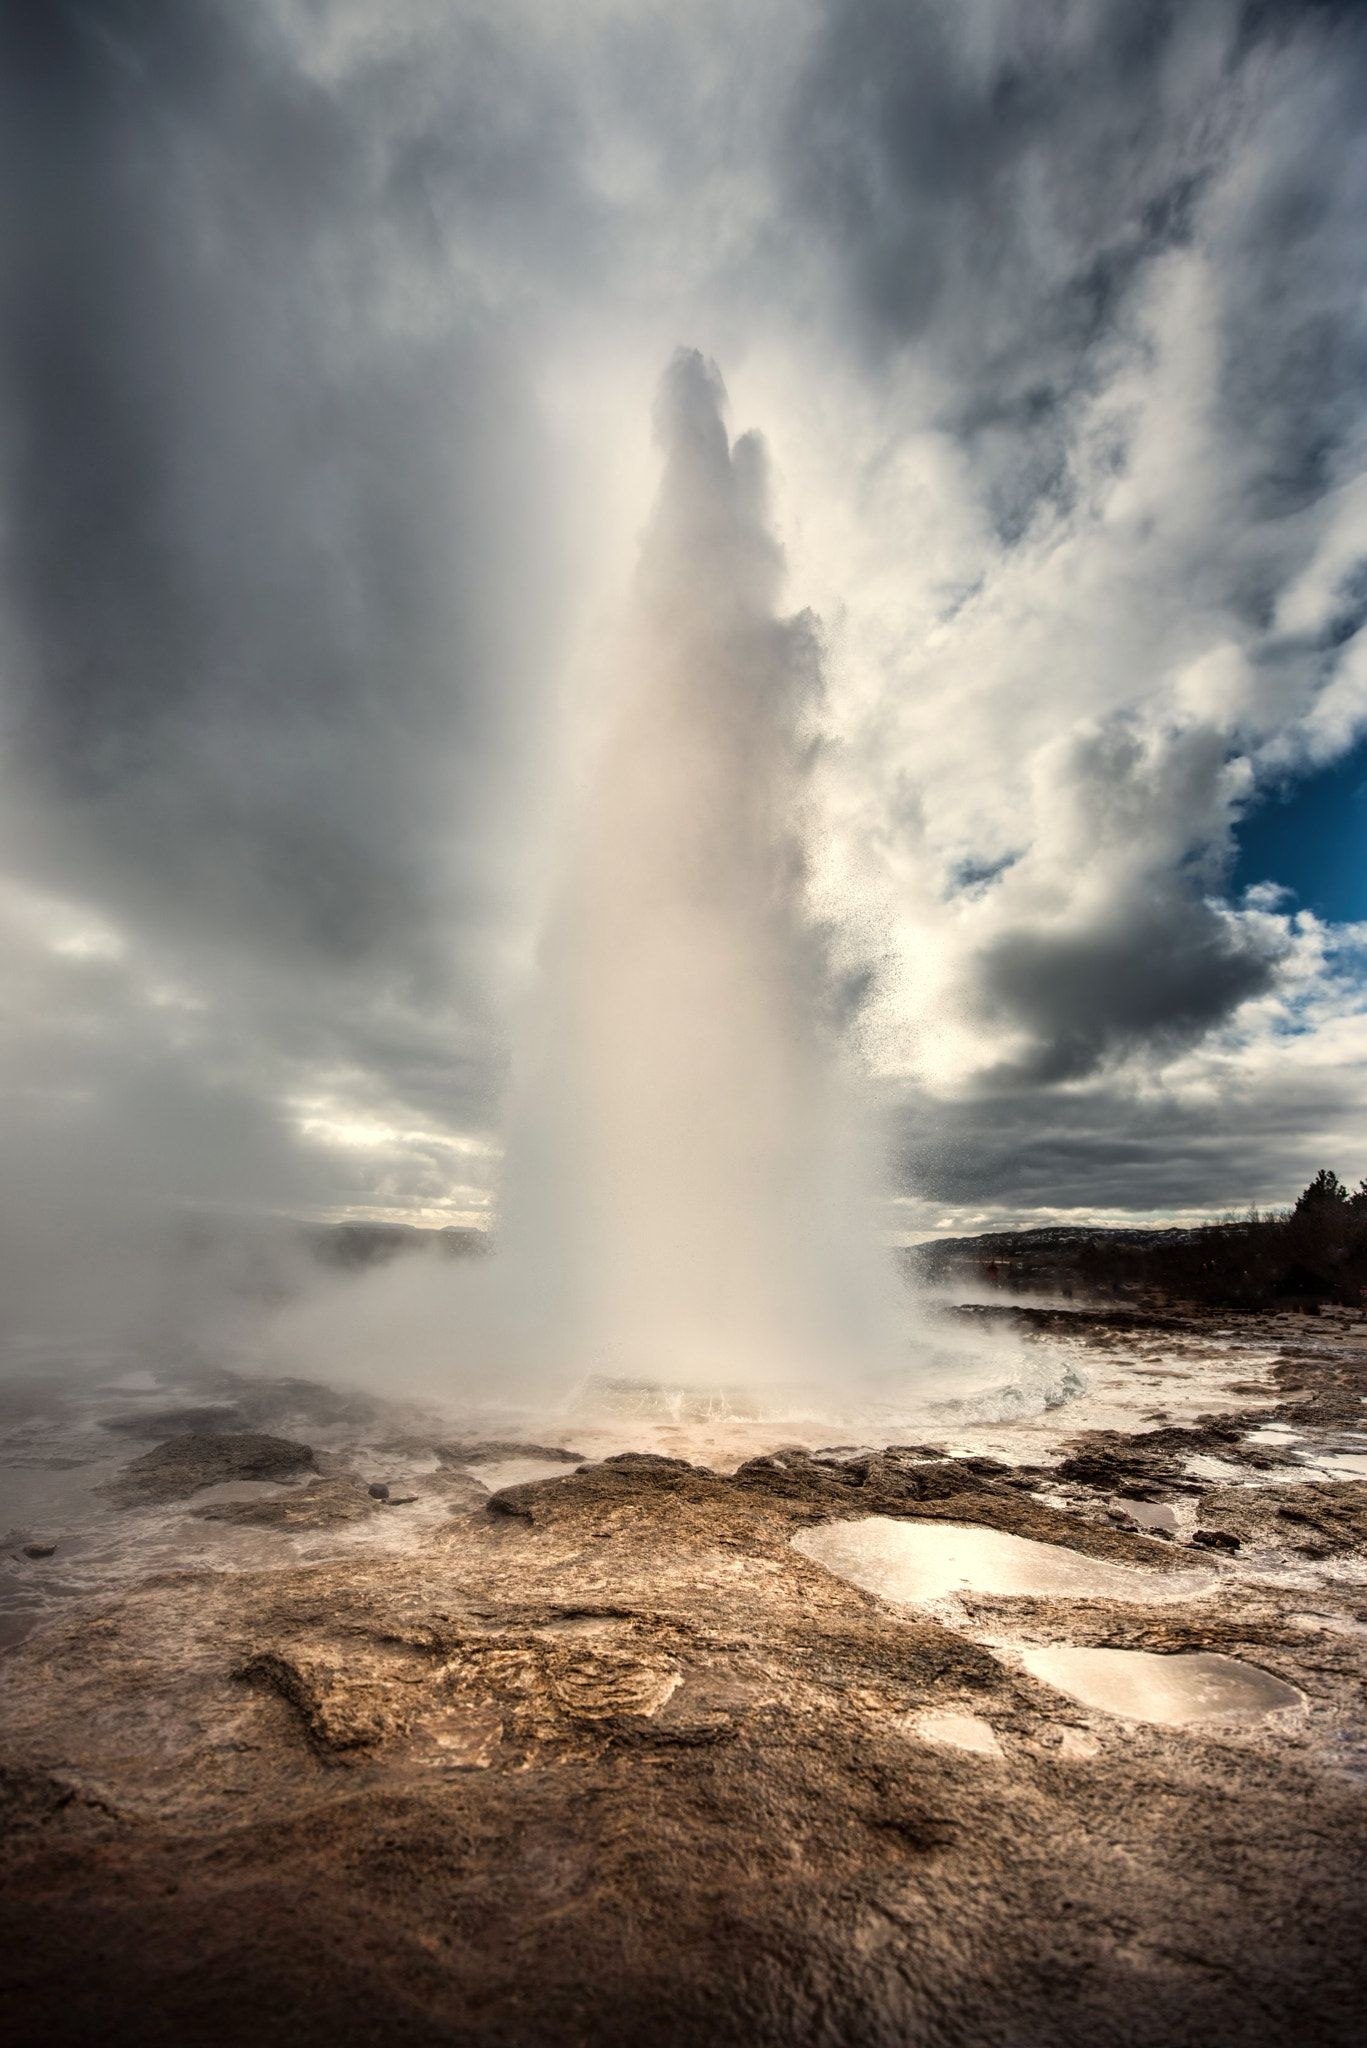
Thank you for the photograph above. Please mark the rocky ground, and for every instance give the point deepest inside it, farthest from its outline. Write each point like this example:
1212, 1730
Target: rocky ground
366, 1745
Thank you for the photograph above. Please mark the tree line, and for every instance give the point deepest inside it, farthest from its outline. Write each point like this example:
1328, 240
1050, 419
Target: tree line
1314, 1252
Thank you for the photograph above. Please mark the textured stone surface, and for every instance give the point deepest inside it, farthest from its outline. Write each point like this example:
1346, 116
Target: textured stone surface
185, 1464
322, 1504
605, 1761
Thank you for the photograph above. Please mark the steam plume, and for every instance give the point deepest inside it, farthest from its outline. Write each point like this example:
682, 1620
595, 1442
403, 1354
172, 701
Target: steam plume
682, 1164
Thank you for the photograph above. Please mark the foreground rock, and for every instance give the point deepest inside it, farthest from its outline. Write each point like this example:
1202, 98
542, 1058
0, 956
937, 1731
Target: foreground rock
322, 1504
488, 1450
1312, 1521
185, 1464
608, 1762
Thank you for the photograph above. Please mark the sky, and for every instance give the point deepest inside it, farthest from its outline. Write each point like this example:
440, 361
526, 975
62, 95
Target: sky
1310, 836
328, 339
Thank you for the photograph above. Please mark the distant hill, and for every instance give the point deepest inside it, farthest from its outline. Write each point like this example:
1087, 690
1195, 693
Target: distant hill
1051, 1241
1316, 1251
356, 1245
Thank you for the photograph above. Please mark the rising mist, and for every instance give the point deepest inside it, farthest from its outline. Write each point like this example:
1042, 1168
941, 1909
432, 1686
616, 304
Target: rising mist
688, 1195
685, 1172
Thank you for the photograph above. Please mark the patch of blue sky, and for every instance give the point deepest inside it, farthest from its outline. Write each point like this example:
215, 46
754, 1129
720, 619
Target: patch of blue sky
1310, 838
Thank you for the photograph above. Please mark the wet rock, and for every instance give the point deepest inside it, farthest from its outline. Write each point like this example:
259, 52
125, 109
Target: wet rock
1324, 1518
634, 1774
513, 1501
31, 1797
39, 1549
1333, 1513
378, 1491
1068, 1319
875, 1480
461, 1491
486, 1450
164, 1422
1216, 1539
1108, 1465
1328, 1388
525, 1681
322, 1504
646, 1461
184, 1464
636, 1478
801, 1489
1152, 1465
344, 1703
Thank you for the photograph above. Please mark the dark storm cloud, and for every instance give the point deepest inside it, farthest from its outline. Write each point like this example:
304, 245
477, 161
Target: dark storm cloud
1107, 938
1160, 972
975, 162
991, 179
1294, 333
994, 181
272, 478
282, 589
1101, 1147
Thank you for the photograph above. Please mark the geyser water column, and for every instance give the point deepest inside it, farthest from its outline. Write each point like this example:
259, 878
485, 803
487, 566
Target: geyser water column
686, 1155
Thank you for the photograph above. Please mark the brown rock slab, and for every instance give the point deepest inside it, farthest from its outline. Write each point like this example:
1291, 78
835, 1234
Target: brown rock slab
181, 1466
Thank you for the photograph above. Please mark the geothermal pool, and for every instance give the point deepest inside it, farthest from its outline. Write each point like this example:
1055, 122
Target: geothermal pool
1176, 1691
923, 1562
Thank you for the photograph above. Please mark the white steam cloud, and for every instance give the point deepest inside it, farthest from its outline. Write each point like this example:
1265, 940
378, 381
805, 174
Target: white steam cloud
684, 1167
688, 1197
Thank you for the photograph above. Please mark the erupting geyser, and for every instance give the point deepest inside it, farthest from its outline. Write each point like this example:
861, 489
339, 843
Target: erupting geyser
686, 1167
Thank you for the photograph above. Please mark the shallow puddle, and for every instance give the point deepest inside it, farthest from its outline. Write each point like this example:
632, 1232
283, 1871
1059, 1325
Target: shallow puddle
1312, 1463
1223, 1472
229, 1491
1172, 1691
1150, 1514
1342, 1464
924, 1561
